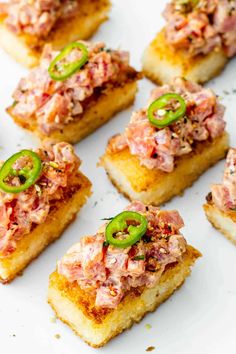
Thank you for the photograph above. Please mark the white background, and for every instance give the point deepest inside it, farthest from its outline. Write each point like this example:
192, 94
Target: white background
198, 318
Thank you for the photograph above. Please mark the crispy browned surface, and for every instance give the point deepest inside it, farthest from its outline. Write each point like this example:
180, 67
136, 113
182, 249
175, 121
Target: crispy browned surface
66, 31
223, 221
97, 328
229, 214
85, 300
173, 62
90, 15
160, 185
173, 56
61, 215
111, 99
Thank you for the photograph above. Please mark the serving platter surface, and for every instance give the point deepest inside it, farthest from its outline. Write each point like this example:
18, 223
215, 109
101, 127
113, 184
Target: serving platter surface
199, 317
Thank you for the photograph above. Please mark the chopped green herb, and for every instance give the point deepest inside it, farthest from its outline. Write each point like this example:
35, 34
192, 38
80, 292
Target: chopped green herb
112, 217
57, 336
187, 3
148, 326
139, 258
53, 164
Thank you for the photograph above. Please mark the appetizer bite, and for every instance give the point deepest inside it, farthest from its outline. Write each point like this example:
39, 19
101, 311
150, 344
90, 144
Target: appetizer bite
40, 193
109, 281
74, 92
220, 208
197, 41
26, 26
168, 145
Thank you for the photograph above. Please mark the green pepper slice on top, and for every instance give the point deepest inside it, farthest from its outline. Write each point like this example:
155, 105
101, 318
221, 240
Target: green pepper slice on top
158, 113
130, 224
27, 175
60, 70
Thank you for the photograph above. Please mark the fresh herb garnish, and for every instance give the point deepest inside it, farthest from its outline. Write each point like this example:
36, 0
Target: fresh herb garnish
139, 258
148, 326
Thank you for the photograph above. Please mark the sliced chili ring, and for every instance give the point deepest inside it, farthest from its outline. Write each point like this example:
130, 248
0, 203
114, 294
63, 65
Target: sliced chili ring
119, 224
30, 175
63, 71
169, 116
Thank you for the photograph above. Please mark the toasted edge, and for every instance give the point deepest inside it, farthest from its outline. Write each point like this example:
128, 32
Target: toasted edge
154, 186
27, 49
225, 222
98, 112
162, 63
32, 244
96, 326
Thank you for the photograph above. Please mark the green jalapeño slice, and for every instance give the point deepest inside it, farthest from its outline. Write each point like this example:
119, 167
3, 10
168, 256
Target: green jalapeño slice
128, 224
159, 113
27, 175
61, 69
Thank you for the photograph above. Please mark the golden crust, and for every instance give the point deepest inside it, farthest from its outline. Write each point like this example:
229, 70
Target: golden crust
27, 49
104, 324
61, 215
161, 63
223, 221
154, 186
99, 111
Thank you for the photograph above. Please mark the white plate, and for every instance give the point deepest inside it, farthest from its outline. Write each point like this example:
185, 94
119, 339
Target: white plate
198, 318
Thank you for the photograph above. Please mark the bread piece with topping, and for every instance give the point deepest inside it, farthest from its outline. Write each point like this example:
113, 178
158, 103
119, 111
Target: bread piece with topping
154, 162
41, 192
25, 27
67, 103
107, 282
197, 41
161, 63
220, 208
